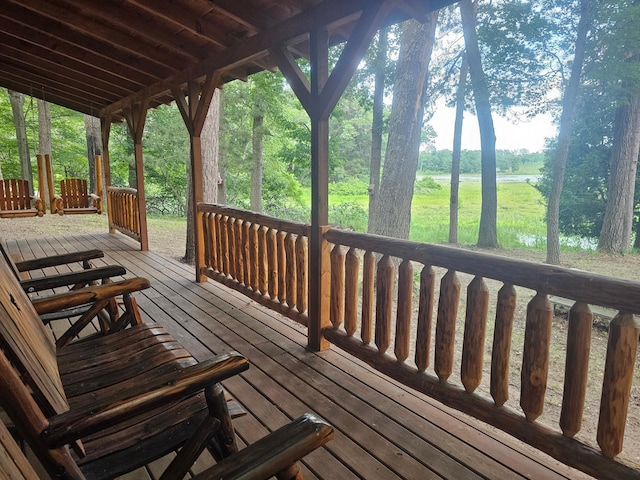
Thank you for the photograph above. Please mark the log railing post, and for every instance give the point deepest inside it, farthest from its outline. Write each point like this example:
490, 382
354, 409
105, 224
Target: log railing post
446, 325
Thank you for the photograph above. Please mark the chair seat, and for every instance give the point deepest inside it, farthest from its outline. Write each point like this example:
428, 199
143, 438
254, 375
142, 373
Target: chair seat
102, 367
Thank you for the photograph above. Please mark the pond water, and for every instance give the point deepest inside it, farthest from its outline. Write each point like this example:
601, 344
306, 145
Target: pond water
571, 242
475, 177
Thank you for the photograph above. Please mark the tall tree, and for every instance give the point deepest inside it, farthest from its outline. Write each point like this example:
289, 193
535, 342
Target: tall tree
44, 140
380, 67
488, 232
17, 107
561, 153
255, 197
623, 58
392, 212
210, 145
94, 146
457, 149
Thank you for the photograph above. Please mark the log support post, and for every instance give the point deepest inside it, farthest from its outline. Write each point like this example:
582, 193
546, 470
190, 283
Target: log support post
319, 97
194, 105
136, 116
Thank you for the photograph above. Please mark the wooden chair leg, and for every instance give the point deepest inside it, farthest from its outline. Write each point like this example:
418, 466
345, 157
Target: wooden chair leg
291, 473
224, 441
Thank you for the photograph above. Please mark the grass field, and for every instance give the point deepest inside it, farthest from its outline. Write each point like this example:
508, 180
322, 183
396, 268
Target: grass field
521, 214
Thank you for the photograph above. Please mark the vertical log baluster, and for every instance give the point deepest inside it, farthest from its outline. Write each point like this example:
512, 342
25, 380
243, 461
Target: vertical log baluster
384, 303
281, 266
262, 260
336, 311
272, 263
446, 325
208, 237
253, 255
213, 241
302, 286
535, 356
231, 246
576, 370
246, 269
501, 351
238, 249
218, 246
289, 248
404, 308
368, 278
351, 291
425, 317
224, 245
622, 347
475, 327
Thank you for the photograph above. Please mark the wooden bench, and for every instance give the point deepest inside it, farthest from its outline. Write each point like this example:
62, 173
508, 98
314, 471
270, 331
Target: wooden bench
75, 198
15, 200
106, 405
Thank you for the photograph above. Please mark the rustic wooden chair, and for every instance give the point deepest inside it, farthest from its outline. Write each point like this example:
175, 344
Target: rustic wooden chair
106, 405
88, 275
75, 198
15, 200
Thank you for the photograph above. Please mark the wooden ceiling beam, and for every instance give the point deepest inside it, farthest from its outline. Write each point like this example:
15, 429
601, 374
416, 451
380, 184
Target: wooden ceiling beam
90, 28
142, 23
255, 21
35, 40
53, 95
176, 14
251, 48
64, 70
33, 28
52, 81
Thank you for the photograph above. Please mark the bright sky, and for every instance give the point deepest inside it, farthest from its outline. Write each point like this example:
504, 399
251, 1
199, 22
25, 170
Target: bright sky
528, 134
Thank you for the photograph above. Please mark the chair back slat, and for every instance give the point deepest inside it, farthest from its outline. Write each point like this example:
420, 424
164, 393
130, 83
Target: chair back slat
14, 464
29, 344
74, 193
14, 194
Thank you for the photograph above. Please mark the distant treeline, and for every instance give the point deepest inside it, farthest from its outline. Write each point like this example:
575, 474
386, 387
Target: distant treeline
507, 161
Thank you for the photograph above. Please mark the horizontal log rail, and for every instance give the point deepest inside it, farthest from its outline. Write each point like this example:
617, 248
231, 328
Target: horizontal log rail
124, 215
373, 311
263, 257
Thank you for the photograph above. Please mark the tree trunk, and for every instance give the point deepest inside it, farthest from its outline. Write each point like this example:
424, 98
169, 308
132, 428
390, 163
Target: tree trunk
618, 215
457, 150
94, 147
488, 232
377, 122
255, 197
564, 137
44, 140
392, 212
17, 103
209, 141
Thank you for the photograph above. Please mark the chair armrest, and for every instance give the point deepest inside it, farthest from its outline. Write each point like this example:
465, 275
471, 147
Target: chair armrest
82, 278
96, 201
55, 260
273, 453
86, 295
76, 424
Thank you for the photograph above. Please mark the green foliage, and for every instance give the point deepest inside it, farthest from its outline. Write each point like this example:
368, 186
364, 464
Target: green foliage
507, 161
354, 186
425, 185
348, 215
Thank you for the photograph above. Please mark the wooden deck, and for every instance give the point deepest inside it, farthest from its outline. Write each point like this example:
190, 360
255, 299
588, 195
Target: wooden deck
383, 430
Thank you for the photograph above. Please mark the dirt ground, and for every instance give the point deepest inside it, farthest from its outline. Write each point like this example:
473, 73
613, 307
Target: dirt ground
171, 243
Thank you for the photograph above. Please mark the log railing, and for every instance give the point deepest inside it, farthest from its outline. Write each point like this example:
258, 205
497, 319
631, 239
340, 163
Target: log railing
376, 317
263, 257
124, 215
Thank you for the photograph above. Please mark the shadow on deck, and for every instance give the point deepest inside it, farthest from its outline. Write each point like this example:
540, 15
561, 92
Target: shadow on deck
383, 430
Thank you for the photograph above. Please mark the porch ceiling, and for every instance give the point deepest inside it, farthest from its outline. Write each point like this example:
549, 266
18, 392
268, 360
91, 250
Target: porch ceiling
100, 57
